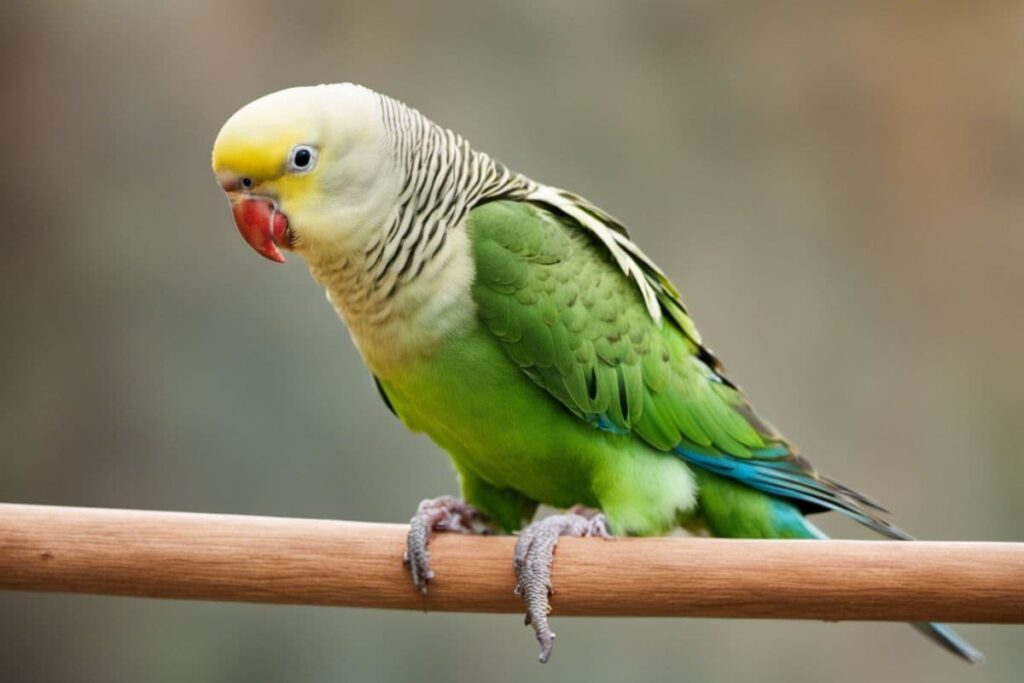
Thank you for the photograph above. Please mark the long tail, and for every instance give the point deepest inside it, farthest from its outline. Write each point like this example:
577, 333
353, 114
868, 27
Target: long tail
940, 634
946, 637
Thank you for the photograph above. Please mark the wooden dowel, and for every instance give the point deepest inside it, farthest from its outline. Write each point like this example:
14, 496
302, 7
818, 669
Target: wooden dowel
356, 564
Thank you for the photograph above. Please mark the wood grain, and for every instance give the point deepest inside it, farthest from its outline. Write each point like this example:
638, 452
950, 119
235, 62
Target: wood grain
356, 564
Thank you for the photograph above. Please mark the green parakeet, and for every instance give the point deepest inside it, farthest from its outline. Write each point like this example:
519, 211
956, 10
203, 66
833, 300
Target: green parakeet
521, 328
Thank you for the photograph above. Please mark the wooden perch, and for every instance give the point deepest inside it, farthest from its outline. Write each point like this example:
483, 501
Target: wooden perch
355, 564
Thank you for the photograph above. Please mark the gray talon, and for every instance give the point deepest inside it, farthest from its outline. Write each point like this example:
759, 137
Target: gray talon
435, 514
532, 562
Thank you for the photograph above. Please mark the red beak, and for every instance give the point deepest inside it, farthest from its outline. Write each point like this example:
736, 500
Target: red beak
262, 226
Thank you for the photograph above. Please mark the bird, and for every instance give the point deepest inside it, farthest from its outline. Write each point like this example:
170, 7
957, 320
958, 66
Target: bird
521, 328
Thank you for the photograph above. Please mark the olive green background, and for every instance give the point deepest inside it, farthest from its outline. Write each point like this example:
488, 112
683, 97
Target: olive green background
835, 187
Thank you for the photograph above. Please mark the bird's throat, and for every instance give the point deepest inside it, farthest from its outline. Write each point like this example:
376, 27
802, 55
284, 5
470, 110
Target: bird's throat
392, 325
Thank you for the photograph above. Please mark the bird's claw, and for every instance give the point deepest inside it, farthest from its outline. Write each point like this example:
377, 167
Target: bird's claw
435, 514
532, 562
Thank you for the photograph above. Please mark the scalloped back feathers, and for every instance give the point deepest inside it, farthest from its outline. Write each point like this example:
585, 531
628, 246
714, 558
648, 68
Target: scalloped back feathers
576, 326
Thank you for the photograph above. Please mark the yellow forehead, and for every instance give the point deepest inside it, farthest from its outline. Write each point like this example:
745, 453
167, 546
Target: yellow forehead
258, 139
259, 154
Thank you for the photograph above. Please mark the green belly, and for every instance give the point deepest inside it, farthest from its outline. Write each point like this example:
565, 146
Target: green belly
498, 426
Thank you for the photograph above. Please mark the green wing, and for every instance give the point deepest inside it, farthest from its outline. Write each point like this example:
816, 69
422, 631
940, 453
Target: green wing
578, 326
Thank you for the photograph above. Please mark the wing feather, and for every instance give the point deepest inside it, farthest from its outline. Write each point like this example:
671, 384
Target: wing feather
593, 321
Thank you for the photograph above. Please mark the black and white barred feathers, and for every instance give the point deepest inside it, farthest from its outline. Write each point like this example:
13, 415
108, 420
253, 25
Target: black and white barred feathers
443, 179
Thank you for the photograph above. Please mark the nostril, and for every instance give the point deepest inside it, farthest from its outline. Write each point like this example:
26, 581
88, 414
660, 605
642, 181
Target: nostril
247, 183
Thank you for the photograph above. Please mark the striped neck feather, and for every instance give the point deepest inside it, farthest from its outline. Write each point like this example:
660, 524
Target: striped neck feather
442, 178
400, 271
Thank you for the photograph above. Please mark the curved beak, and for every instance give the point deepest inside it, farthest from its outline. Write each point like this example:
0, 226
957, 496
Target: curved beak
262, 225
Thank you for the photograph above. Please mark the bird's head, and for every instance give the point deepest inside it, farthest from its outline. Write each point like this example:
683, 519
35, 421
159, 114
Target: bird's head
306, 168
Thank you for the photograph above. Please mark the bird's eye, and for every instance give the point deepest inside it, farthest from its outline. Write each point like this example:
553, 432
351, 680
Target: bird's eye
302, 159
247, 183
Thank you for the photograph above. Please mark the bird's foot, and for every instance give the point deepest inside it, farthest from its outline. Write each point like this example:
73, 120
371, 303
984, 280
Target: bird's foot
437, 514
534, 554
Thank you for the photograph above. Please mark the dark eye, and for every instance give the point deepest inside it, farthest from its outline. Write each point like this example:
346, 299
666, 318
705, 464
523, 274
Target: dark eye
303, 158
247, 183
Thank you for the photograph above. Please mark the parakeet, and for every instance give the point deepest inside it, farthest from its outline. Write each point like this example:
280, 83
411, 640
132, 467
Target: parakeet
520, 327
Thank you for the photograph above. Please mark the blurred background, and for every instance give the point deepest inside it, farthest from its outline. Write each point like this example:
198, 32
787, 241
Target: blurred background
835, 187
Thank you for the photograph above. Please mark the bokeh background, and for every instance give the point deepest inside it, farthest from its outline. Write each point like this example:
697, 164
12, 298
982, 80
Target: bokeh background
835, 187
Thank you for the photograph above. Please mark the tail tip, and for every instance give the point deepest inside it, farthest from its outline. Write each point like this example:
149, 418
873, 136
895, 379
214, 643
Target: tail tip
952, 641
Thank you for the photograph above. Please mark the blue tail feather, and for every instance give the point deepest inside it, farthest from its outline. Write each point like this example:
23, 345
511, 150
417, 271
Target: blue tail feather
949, 639
796, 525
787, 478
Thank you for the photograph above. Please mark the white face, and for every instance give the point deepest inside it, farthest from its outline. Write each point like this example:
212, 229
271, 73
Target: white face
307, 169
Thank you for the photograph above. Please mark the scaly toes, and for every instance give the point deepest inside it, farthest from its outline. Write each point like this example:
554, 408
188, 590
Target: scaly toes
436, 514
417, 557
532, 562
